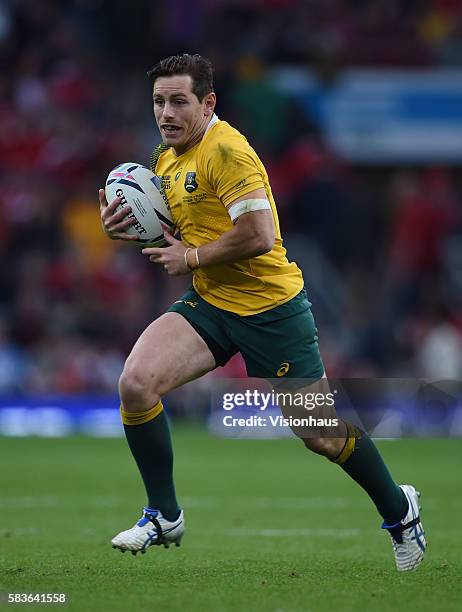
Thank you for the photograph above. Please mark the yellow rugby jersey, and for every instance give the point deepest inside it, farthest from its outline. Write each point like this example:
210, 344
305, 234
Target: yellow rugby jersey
199, 184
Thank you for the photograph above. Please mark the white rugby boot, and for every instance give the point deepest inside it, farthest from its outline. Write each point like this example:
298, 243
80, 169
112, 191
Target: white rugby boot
151, 530
408, 536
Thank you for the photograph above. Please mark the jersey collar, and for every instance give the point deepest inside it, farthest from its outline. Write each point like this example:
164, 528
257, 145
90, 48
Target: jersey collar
212, 122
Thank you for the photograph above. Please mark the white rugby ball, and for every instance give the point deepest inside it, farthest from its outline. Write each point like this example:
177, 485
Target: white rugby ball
141, 189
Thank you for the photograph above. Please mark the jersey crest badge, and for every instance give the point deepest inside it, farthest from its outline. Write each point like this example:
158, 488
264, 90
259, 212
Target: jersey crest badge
190, 183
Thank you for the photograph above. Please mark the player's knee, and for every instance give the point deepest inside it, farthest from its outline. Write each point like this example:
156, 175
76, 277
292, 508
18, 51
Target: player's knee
328, 447
136, 393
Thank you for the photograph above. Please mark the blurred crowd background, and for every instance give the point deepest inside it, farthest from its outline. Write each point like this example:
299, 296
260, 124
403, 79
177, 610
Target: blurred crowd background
378, 243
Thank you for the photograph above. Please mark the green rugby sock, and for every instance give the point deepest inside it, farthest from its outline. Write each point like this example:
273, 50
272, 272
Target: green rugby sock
151, 446
365, 465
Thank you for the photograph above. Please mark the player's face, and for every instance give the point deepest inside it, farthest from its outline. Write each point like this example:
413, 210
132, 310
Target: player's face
181, 118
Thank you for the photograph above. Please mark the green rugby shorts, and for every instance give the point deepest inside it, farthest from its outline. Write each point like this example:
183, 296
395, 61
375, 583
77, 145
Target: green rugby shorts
278, 343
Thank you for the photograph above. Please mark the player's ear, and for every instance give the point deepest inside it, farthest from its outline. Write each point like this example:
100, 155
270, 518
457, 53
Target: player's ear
209, 103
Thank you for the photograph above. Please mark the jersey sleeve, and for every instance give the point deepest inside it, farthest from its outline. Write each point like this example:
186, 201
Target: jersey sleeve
232, 169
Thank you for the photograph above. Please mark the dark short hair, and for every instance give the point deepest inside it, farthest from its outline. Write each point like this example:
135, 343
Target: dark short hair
199, 68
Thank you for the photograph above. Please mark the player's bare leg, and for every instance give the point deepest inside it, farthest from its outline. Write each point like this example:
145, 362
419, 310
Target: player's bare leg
328, 441
168, 354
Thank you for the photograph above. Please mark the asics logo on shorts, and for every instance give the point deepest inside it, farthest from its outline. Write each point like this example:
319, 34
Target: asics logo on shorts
283, 369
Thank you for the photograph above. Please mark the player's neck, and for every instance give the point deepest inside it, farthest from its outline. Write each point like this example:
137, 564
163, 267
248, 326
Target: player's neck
197, 136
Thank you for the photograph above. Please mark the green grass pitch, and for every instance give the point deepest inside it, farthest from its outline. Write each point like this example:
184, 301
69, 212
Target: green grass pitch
270, 527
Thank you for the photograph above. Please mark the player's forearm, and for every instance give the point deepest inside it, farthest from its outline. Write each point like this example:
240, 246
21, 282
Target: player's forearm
236, 244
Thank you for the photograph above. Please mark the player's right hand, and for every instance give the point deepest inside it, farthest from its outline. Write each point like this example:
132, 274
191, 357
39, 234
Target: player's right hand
114, 223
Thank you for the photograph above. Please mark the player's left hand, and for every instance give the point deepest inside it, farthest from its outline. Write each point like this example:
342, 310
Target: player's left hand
171, 257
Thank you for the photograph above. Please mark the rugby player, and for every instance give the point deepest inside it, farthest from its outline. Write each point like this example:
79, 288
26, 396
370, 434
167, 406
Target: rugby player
246, 297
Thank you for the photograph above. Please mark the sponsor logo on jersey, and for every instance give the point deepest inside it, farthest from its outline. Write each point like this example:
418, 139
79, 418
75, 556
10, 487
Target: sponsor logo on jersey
283, 369
166, 183
240, 185
190, 183
178, 174
195, 198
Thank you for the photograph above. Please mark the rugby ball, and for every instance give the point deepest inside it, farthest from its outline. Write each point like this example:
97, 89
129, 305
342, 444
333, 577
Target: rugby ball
142, 190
